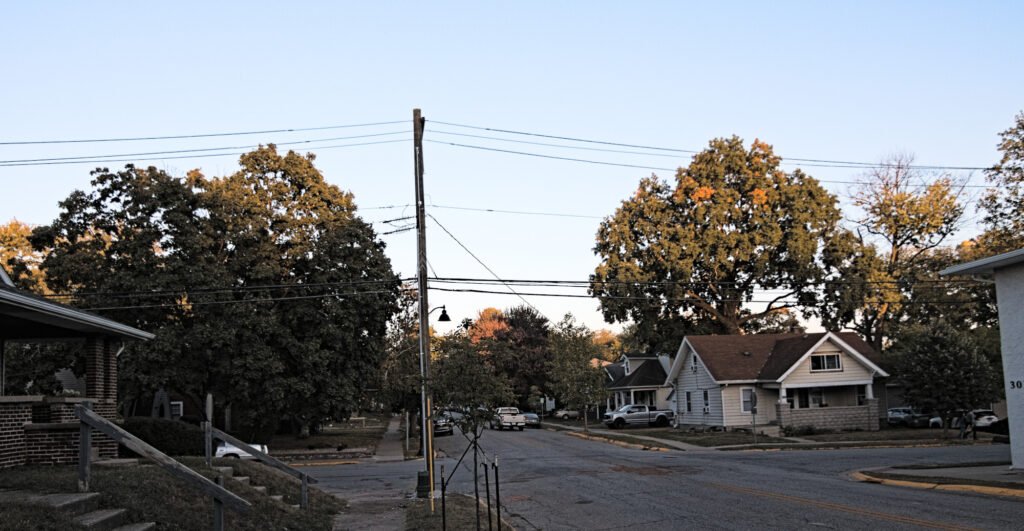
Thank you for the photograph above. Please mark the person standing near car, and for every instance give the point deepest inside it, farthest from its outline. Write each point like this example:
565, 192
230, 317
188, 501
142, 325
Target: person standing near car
964, 419
974, 429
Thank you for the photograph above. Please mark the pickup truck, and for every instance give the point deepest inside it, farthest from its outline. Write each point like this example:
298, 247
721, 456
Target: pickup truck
634, 414
508, 417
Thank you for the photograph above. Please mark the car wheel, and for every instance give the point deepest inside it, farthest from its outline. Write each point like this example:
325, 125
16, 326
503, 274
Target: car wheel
661, 422
232, 456
619, 423
565, 416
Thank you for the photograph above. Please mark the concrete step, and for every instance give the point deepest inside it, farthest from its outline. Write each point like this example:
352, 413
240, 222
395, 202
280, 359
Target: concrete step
128, 461
225, 471
141, 526
102, 519
244, 480
260, 489
75, 503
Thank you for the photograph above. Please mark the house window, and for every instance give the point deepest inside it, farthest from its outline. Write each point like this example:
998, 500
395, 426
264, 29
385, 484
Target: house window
825, 362
693, 366
177, 407
817, 397
689, 403
747, 394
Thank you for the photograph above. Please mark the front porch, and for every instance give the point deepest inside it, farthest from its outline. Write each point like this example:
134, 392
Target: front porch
834, 408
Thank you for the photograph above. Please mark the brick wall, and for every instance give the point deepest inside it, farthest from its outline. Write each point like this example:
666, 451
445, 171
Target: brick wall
13, 417
38, 430
831, 418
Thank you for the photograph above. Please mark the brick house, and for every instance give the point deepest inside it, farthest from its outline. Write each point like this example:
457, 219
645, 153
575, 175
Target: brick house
825, 380
41, 429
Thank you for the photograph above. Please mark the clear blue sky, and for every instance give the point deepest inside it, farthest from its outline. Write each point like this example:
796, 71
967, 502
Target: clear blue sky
829, 80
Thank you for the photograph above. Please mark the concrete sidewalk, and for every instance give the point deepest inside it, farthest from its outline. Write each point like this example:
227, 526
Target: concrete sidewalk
392, 444
997, 480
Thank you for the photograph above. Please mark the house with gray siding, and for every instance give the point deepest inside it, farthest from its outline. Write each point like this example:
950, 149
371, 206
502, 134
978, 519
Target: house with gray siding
638, 379
823, 380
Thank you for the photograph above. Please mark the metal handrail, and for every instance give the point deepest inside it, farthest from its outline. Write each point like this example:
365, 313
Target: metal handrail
90, 420
211, 433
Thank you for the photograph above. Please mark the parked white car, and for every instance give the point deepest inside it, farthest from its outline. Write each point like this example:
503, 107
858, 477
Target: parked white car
566, 414
225, 449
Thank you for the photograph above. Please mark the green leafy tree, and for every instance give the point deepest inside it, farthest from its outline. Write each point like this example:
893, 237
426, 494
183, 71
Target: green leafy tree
944, 369
695, 252
466, 381
263, 287
907, 216
521, 350
400, 370
576, 380
1004, 202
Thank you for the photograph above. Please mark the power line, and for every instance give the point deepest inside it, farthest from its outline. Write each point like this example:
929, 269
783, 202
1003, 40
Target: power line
840, 163
237, 301
235, 153
196, 150
198, 135
608, 163
479, 261
682, 299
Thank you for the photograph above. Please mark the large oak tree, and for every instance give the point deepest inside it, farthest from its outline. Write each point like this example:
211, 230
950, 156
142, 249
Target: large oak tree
689, 256
263, 287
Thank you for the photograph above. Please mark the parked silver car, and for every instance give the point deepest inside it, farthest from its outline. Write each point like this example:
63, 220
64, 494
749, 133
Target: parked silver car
566, 414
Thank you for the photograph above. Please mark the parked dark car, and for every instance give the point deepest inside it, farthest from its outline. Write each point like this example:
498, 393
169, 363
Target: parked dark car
443, 424
532, 420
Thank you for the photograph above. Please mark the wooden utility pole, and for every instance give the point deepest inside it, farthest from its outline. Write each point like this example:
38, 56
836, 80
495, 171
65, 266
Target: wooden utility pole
421, 247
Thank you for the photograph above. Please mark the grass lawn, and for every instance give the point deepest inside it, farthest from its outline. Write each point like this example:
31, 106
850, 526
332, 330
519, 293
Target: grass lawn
337, 436
894, 434
460, 512
710, 438
152, 495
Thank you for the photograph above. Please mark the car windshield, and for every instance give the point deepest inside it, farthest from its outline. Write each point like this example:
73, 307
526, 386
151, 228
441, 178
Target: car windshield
624, 409
984, 413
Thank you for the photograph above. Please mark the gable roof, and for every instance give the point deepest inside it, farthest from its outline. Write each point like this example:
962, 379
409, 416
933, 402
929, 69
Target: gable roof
648, 374
769, 356
615, 372
26, 316
986, 265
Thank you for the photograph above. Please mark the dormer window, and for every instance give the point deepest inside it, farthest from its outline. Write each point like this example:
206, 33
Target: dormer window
625, 365
825, 362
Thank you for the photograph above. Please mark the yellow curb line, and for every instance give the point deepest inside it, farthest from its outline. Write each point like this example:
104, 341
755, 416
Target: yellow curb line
977, 489
623, 444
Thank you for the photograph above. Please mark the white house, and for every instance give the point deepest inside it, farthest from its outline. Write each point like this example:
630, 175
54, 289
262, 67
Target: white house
1008, 269
823, 380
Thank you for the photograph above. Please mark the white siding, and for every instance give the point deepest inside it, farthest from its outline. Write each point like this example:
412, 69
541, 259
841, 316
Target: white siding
696, 383
732, 402
852, 371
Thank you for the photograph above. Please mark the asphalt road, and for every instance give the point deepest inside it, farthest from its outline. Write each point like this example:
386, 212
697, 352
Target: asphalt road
550, 481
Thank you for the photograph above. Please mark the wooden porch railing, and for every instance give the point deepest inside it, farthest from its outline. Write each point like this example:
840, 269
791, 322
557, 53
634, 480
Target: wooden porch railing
90, 421
210, 433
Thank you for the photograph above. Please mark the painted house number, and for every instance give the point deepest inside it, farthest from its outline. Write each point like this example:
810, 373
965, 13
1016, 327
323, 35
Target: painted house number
1016, 384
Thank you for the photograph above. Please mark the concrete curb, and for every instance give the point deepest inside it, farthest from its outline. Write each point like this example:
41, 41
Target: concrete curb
623, 444
866, 477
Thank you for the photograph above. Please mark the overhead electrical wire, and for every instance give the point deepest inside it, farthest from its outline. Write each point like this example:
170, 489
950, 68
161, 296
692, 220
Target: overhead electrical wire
479, 261
199, 150
100, 161
608, 163
197, 135
840, 163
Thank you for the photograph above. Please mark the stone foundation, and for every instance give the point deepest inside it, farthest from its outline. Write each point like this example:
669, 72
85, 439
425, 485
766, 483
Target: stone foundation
831, 418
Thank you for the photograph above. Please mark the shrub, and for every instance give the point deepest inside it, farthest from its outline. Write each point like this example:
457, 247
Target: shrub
798, 431
169, 436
